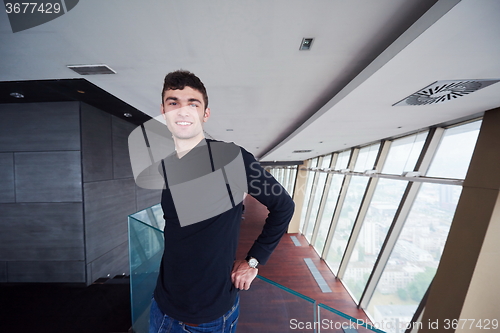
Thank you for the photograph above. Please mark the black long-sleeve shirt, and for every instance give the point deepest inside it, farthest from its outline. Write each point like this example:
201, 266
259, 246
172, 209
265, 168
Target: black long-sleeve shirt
194, 283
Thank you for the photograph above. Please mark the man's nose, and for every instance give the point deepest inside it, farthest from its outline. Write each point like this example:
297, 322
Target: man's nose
183, 111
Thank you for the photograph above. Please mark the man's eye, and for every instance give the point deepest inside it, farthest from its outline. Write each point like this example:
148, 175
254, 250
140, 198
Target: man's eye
194, 105
172, 103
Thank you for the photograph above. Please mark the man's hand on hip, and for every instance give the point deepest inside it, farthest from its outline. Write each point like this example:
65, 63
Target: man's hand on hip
242, 274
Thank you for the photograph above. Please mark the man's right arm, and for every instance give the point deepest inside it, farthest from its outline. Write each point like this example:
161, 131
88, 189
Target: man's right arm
269, 192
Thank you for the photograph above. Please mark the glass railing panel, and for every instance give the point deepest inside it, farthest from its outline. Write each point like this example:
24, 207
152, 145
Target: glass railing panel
145, 251
270, 307
332, 320
152, 216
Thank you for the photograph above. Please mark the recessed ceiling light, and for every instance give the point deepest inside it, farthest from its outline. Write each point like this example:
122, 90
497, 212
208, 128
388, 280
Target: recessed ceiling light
92, 69
128, 115
302, 151
80, 91
444, 91
306, 44
229, 130
17, 95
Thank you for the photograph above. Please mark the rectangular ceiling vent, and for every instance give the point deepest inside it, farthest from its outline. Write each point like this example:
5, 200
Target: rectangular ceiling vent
91, 69
302, 151
444, 91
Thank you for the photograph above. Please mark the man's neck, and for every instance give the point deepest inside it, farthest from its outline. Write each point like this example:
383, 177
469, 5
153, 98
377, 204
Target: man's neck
183, 147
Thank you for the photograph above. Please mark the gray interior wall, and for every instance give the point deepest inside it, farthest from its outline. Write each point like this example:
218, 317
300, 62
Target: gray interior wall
41, 208
110, 193
66, 188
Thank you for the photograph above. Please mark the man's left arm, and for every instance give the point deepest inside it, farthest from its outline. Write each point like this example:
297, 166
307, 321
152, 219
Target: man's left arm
267, 190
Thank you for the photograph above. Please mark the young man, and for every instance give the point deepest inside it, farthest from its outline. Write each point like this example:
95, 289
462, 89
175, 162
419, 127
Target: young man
199, 279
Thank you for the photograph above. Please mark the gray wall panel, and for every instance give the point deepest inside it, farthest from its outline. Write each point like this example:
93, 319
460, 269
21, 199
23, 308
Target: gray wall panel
45, 233
115, 262
46, 271
41, 232
147, 198
7, 192
121, 160
107, 205
48, 176
96, 144
40, 126
3, 271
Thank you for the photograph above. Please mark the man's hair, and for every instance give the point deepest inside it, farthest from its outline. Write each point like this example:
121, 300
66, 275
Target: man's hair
180, 79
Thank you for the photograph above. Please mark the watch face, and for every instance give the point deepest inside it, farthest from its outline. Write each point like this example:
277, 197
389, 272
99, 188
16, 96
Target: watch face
253, 262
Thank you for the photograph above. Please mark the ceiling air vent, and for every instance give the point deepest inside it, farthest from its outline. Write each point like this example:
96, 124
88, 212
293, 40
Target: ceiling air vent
443, 91
302, 151
91, 69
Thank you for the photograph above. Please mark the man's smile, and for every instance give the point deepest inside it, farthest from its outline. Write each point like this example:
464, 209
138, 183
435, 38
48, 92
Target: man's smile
183, 123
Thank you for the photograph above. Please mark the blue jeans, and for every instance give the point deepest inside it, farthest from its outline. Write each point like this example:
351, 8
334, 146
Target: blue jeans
161, 323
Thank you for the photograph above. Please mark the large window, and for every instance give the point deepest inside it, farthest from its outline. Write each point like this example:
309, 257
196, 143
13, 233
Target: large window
357, 187
292, 175
378, 219
343, 160
415, 258
326, 219
404, 154
455, 151
366, 158
285, 176
346, 220
387, 260
402, 157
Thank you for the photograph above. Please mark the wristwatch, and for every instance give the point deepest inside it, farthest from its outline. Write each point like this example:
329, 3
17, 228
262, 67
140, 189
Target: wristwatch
252, 262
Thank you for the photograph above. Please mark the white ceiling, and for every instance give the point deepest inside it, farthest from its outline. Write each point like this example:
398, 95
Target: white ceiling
275, 98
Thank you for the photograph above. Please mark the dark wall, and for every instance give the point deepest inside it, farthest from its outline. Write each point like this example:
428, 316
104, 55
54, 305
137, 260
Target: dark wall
110, 193
66, 188
41, 208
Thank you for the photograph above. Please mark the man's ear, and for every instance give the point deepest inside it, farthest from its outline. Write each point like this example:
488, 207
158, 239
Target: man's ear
206, 115
162, 110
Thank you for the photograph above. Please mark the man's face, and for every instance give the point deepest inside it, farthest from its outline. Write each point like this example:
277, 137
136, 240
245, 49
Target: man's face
184, 112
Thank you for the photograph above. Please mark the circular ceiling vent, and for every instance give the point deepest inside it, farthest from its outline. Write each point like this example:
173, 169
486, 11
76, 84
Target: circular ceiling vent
444, 91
